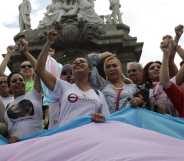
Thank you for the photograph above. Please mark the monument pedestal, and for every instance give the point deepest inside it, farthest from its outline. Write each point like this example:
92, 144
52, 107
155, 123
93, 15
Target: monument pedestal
81, 38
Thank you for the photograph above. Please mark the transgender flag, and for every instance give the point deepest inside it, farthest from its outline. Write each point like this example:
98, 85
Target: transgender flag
129, 135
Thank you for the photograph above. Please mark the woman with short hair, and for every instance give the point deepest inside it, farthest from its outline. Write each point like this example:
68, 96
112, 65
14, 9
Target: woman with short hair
76, 99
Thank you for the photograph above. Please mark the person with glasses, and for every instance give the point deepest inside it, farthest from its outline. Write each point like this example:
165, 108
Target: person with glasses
26, 69
76, 99
23, 115
52, 66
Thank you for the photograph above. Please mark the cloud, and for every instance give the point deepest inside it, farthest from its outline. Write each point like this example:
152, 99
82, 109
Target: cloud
148, 21
9, 26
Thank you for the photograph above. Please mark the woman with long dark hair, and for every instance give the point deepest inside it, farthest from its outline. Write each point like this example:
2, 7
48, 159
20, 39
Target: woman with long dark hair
159, 101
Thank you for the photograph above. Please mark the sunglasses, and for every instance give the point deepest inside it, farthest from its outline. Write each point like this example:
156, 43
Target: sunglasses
79, 61
66, 73
16, 80
24, 66
3, 82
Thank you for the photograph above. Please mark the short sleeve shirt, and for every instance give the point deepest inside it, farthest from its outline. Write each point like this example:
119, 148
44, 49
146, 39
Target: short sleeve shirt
75, 102
24, 114
29, 85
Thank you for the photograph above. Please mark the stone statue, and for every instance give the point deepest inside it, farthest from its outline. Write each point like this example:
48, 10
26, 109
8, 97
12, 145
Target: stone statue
53, 14
87, 13
56, 10
70, 7
24, 15
83, 9
92, 2
116, 14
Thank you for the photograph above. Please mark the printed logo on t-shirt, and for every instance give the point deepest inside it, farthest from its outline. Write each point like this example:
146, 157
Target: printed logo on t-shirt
73, 98
21, 109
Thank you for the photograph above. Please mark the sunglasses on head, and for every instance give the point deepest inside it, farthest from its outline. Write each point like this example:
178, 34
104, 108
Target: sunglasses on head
24, 66
3, 82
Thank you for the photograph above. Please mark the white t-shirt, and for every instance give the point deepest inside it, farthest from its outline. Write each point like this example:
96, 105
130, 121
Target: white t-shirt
54, 111
55, 68
24, 114
6, 100
74, 102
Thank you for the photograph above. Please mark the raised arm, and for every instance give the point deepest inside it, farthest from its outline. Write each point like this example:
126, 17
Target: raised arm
24, 49
180, 51
166, 47
45, 76
10, 50
172, 66
179, 32
180, 76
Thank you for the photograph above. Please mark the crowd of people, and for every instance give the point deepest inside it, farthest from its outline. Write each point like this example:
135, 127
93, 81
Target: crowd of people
45, 94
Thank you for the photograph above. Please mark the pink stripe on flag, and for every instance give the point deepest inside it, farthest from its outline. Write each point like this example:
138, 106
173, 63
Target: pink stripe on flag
112, 141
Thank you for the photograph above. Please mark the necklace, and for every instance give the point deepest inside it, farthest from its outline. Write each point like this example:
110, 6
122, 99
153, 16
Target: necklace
117, 88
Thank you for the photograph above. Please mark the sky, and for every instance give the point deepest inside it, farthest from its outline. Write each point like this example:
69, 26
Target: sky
148, 20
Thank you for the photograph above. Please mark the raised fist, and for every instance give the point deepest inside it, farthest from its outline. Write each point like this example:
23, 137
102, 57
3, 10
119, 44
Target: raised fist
23, 45
179, 30
10, 49
167, 46
168, 37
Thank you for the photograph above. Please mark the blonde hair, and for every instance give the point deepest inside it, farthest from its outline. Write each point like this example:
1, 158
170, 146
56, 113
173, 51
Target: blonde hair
113, 57
124, 78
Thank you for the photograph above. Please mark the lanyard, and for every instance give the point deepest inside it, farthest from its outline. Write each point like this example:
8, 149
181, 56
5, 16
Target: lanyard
118, 99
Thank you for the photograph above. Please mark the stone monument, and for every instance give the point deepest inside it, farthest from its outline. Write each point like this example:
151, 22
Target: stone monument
116, 14
83, 32
24, 15
56, 10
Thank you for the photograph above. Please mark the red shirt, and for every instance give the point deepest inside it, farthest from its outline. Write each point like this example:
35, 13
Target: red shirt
177, 98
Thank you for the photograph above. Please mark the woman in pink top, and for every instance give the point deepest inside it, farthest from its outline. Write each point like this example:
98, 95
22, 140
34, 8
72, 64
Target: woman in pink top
158, 99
